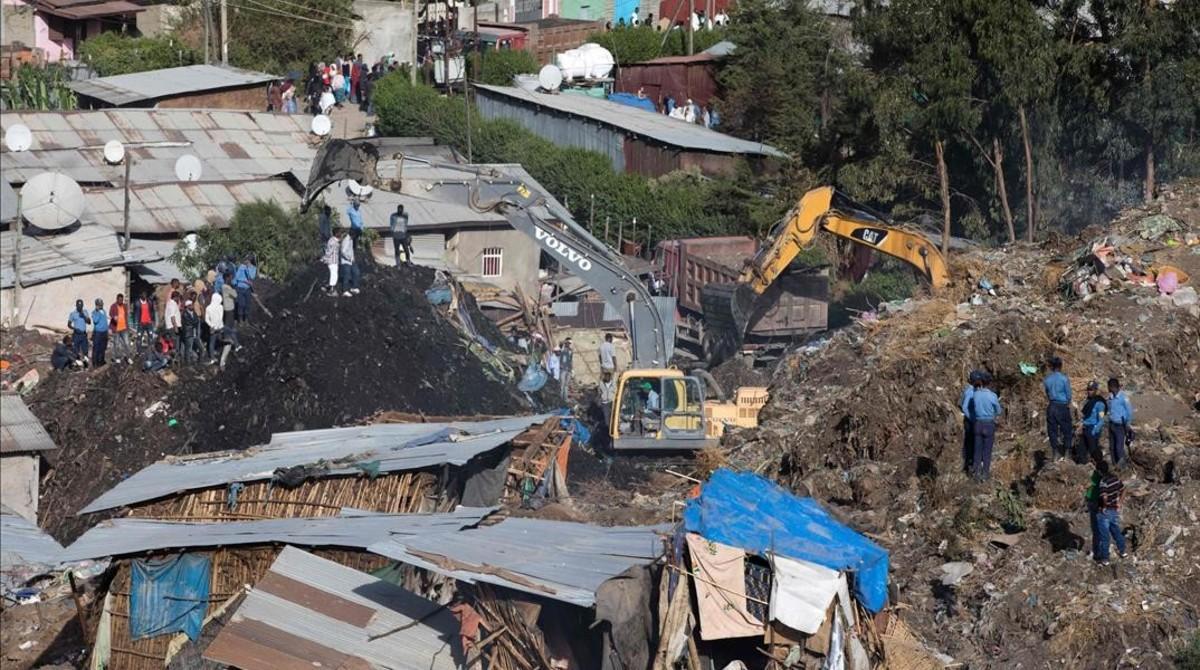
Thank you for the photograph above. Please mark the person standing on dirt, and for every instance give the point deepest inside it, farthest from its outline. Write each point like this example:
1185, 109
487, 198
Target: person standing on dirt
191, 330
229, 297
173, 319
78, 321
330, 259
566, 364
118, 319
214, 316
1058, 412
401, 240
985, 411
1094, 410
964, 403
243, 281
145, 314
354, 216
347, 270
608, 355
1108, 519
99, 333
1120, 415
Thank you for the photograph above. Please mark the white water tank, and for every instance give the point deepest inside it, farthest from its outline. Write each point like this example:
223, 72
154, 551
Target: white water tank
571, 63
527, 82
597, 60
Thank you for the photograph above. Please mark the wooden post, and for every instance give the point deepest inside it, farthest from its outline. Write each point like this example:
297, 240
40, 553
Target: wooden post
125, 213
592, 215
79, 610
691, 13
606, 238
20, 229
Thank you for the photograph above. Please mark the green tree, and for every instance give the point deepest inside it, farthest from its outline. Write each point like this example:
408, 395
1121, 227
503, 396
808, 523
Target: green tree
40, 88
280, 36
283, 241
498, 66
637, 44
113, 53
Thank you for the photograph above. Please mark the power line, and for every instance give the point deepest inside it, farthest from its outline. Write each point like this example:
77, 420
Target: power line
312, 9
266, 9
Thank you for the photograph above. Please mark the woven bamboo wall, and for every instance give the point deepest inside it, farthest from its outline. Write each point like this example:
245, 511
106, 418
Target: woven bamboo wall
396, 493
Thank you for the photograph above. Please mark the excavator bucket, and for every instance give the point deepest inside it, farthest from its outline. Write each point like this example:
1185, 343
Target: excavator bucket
727, 312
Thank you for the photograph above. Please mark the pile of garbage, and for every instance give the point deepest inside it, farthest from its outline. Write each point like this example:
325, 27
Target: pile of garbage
998, 574
314, 362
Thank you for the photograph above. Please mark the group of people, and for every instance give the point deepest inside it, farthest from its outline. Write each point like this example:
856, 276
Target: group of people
174, 323
689, 111
345, 79
981, 410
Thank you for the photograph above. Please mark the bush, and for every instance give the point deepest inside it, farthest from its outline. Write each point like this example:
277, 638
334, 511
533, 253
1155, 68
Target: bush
41, 88
112, 53
635, 44
283, 241
677, 205
498, 66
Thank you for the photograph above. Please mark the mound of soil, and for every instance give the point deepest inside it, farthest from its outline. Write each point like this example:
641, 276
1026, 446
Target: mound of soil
317, 362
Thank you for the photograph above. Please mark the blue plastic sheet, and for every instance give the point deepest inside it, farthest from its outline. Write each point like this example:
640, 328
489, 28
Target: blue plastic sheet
633, 101
533, 379
579, 432
169, 596
744, 510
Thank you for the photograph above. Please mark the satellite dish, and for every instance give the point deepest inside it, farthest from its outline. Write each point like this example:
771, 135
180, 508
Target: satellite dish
114, 152
550, 77
51, 200
321, 125
18, 138
188, 168
358, 189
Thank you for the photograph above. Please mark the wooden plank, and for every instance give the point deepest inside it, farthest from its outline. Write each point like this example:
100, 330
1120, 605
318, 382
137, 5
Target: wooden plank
315, 599
253, 645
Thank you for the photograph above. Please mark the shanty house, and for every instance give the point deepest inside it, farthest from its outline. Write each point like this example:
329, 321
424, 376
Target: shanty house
56, 28
23, 441
634, 140
189, 86
681, 77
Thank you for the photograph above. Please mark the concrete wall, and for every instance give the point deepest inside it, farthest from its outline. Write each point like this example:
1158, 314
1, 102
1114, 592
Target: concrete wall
586, 343
157, 20
520, 256
47, 305
385, 27
19, 483
18, 23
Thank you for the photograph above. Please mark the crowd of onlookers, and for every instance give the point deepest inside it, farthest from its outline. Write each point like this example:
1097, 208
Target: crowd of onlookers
173, 324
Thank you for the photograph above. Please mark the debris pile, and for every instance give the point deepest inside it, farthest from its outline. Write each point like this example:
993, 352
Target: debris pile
999, 573
316, 362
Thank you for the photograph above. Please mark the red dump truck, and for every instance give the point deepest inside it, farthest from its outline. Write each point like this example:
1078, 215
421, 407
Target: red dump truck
795, 306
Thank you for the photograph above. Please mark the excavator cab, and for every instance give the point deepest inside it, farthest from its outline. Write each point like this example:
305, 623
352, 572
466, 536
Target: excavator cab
657, 409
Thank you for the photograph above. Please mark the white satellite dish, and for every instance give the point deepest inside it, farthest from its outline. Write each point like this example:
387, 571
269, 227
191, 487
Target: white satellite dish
18, 138
321, 125
358, 189
550, 77
114, 152
188, 168
51, 200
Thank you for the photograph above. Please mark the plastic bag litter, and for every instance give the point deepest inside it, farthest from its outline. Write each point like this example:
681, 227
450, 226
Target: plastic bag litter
533, 379
1168, 282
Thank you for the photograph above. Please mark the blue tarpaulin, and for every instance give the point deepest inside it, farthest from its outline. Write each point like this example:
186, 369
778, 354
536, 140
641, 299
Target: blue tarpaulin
579, 432
169, 596
633, 101
747, 511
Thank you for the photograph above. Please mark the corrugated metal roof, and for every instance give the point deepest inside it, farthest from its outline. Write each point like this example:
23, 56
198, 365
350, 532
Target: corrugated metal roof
20, 430
8, 201
554, 559
397, 447
183, 207
89, 248
404, 630
635, 121
125, 89
23, 544
122, 537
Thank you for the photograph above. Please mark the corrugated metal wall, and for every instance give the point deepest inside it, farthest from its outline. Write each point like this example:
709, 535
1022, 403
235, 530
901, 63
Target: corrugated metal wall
561, 130
679, 80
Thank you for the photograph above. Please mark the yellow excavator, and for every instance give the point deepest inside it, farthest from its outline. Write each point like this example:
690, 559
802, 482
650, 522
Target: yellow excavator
728, 307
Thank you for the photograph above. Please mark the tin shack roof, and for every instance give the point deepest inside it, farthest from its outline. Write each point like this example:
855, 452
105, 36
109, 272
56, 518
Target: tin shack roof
310, 611
126, 89
397, 447
124, 537
87, 249
23, 544
658, 127
20, 430
553, 559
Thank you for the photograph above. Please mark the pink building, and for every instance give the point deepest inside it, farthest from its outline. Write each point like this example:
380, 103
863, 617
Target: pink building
57, 27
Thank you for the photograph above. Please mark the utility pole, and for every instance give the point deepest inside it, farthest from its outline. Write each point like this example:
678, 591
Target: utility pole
412, 54
224, 34
205, 13
467, 111
125, 213
691, 25
17, 264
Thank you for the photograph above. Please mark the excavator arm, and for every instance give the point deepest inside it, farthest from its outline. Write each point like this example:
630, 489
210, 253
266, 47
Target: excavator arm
491, 189
728, 307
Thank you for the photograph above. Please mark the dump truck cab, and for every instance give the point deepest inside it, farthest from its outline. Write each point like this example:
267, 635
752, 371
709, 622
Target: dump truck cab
665, 409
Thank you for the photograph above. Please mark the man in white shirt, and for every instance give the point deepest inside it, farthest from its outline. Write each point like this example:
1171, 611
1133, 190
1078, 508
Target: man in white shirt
608, 355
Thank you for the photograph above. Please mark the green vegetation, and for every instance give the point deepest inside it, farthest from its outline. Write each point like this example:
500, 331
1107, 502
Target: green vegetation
283, 241
499, 65
679, 205
634, 44
40, 88
113, 53
1188, 656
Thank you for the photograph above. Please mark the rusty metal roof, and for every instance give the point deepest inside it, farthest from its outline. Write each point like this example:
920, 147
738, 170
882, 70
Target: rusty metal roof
87, 249
184, 206
20, 430
310, 611
126, 89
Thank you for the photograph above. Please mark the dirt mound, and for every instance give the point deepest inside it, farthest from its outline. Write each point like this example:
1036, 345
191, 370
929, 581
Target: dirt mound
869, 423
318, 362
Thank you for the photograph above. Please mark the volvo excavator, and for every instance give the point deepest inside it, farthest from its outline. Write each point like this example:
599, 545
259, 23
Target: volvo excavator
728, 307
656, 407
